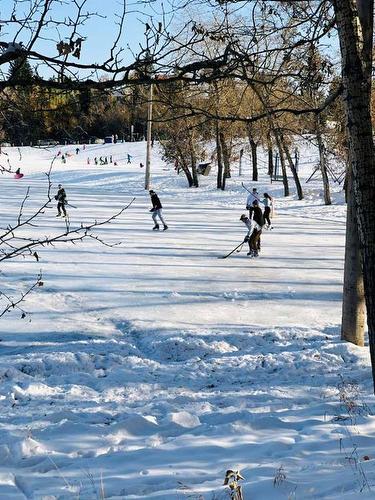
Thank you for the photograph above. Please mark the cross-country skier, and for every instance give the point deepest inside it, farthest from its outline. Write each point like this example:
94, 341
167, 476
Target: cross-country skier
61, 201
157, 211
253, 234
249, 201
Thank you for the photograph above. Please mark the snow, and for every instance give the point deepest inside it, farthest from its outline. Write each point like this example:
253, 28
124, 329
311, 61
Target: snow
148, 369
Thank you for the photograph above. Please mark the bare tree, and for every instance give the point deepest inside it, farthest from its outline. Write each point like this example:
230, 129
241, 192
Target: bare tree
355, 24
16, 242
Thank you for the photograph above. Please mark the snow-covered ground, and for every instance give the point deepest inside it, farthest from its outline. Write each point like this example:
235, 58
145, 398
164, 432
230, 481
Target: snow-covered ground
146, 370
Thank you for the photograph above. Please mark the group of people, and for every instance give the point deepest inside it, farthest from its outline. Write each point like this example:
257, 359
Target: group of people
101, 161
156, 209
256, 220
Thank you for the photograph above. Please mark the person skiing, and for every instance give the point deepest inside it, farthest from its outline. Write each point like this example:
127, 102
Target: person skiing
61, 201
129, 158
157, 211
253, 234
249, 201
268, 204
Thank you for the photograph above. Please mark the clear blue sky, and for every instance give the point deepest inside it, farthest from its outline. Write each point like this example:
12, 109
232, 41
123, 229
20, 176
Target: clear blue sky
100, 32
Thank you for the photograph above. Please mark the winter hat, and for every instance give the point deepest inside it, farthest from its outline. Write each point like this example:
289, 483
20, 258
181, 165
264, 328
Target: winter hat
151, 191
243, 217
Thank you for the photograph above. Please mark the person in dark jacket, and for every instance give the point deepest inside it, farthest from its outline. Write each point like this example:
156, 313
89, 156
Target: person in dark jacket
253, 235
257, 216
268, 205
157, 211
61, 201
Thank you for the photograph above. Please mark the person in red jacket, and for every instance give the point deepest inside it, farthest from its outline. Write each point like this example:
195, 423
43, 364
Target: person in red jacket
157, 211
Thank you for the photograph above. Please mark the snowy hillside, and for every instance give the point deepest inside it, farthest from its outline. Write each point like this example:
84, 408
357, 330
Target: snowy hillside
148, 369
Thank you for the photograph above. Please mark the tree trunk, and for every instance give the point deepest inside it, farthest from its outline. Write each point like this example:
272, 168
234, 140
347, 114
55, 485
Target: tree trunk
186, 171
270, 155
254, 156
282, 163
292, 168
353, 305
193, 160
219, 181
323, 162
226, 160
356, 55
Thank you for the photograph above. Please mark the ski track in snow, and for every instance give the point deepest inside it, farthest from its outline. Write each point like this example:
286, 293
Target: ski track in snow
151, 368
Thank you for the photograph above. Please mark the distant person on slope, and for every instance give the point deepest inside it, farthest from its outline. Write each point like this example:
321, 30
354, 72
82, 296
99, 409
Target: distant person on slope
18, 174
254, 196
129, 158
157, 211
268, 204
61, 201
253, 234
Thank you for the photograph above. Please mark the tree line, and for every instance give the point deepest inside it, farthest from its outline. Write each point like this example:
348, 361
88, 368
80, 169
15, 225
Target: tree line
256, 69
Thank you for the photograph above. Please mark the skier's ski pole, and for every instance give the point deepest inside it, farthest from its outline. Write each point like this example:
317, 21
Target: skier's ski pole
230, 253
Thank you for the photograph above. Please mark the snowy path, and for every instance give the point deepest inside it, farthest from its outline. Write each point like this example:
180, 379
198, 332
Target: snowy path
156, 366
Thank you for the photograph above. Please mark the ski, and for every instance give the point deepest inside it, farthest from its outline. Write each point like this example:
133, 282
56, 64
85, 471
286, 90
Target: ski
230, 253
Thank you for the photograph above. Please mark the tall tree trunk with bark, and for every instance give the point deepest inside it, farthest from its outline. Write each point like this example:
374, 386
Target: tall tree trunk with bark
353, 303
322, 161
226, 159
270, 155
253, 148
292, 167
193, 160
219, 155
355, 35
183, 164
187, 172
282, 163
